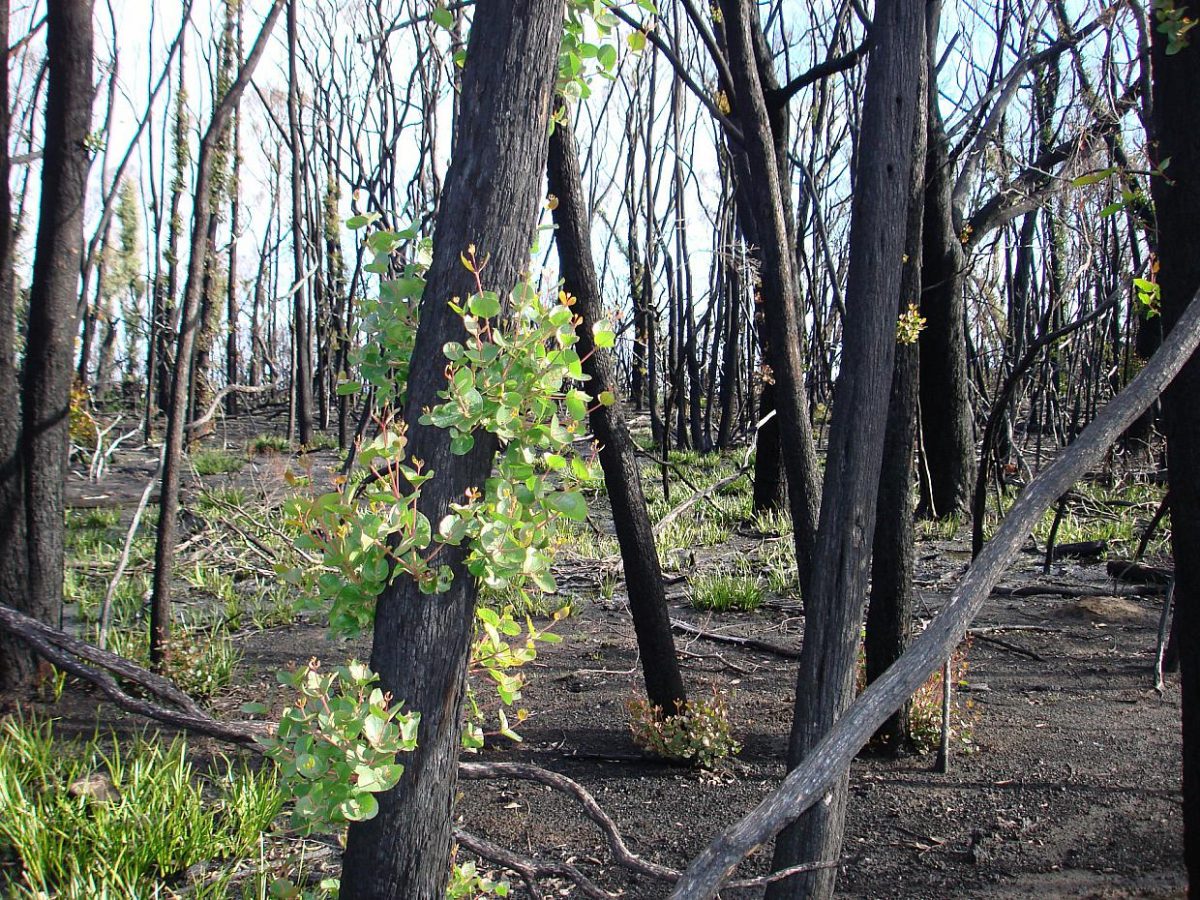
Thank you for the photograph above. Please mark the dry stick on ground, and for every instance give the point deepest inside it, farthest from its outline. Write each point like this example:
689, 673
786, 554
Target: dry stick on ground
745, 642
106, 607
808, 782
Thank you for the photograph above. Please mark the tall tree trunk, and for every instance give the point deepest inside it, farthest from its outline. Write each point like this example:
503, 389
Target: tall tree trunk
420, 647
837, 580
889, 614
302, 359
643, 573
189, 315
53, 302
16, 660
1176, 91
233, 363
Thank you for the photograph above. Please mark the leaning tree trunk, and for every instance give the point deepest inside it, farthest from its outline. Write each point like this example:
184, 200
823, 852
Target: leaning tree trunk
189, 315
643, 573
53, 304
1176, 91
837, 581
421, 642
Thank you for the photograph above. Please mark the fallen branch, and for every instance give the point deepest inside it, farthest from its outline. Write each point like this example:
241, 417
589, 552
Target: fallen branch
808, 783
98, 667
1138, 574
225, 392
747, 642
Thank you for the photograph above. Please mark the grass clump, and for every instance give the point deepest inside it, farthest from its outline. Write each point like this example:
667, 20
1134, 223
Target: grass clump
262, 444
98, 820
216, 462
698, 733
726, 592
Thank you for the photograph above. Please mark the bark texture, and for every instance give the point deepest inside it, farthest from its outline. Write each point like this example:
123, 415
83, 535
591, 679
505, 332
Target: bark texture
421, 642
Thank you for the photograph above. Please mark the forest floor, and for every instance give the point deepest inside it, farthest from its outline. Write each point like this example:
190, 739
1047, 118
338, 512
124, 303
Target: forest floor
1065, 771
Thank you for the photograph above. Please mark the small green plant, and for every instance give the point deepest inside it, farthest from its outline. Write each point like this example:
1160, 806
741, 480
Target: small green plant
97, 517
468, 883
336, 746
320, 442
910, 325
101, 820
216, 462
723, 592
608, 585
262, 444
698, 732
201, 660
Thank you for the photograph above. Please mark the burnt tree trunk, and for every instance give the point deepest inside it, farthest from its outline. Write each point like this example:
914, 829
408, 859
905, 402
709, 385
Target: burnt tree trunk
1176, 92
302, 358
889, 614
837, 581
53, 304
764, 192
16, 660
189, 315
643, 574
421, 642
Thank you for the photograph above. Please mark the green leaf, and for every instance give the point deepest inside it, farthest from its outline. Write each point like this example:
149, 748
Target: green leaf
1112, 208
607, 398
443, 18
576, 401
569, 503
607, 55
484, 304
1093, 177
348, 387
636, 41
359, 809
603, 335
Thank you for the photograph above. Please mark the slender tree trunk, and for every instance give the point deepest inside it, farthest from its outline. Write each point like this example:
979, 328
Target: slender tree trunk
233, 362
643, 574
490, 199
1176, 91
781, 303
302, 360
837, 580
164, 551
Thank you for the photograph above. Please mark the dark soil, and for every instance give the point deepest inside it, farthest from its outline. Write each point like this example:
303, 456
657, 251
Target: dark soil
1067, 786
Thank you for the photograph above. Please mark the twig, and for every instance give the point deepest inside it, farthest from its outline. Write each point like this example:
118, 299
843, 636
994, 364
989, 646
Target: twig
1013, 648
750, 643
1164, 630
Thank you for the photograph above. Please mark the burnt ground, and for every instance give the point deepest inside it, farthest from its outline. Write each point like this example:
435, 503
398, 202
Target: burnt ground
1066, 784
